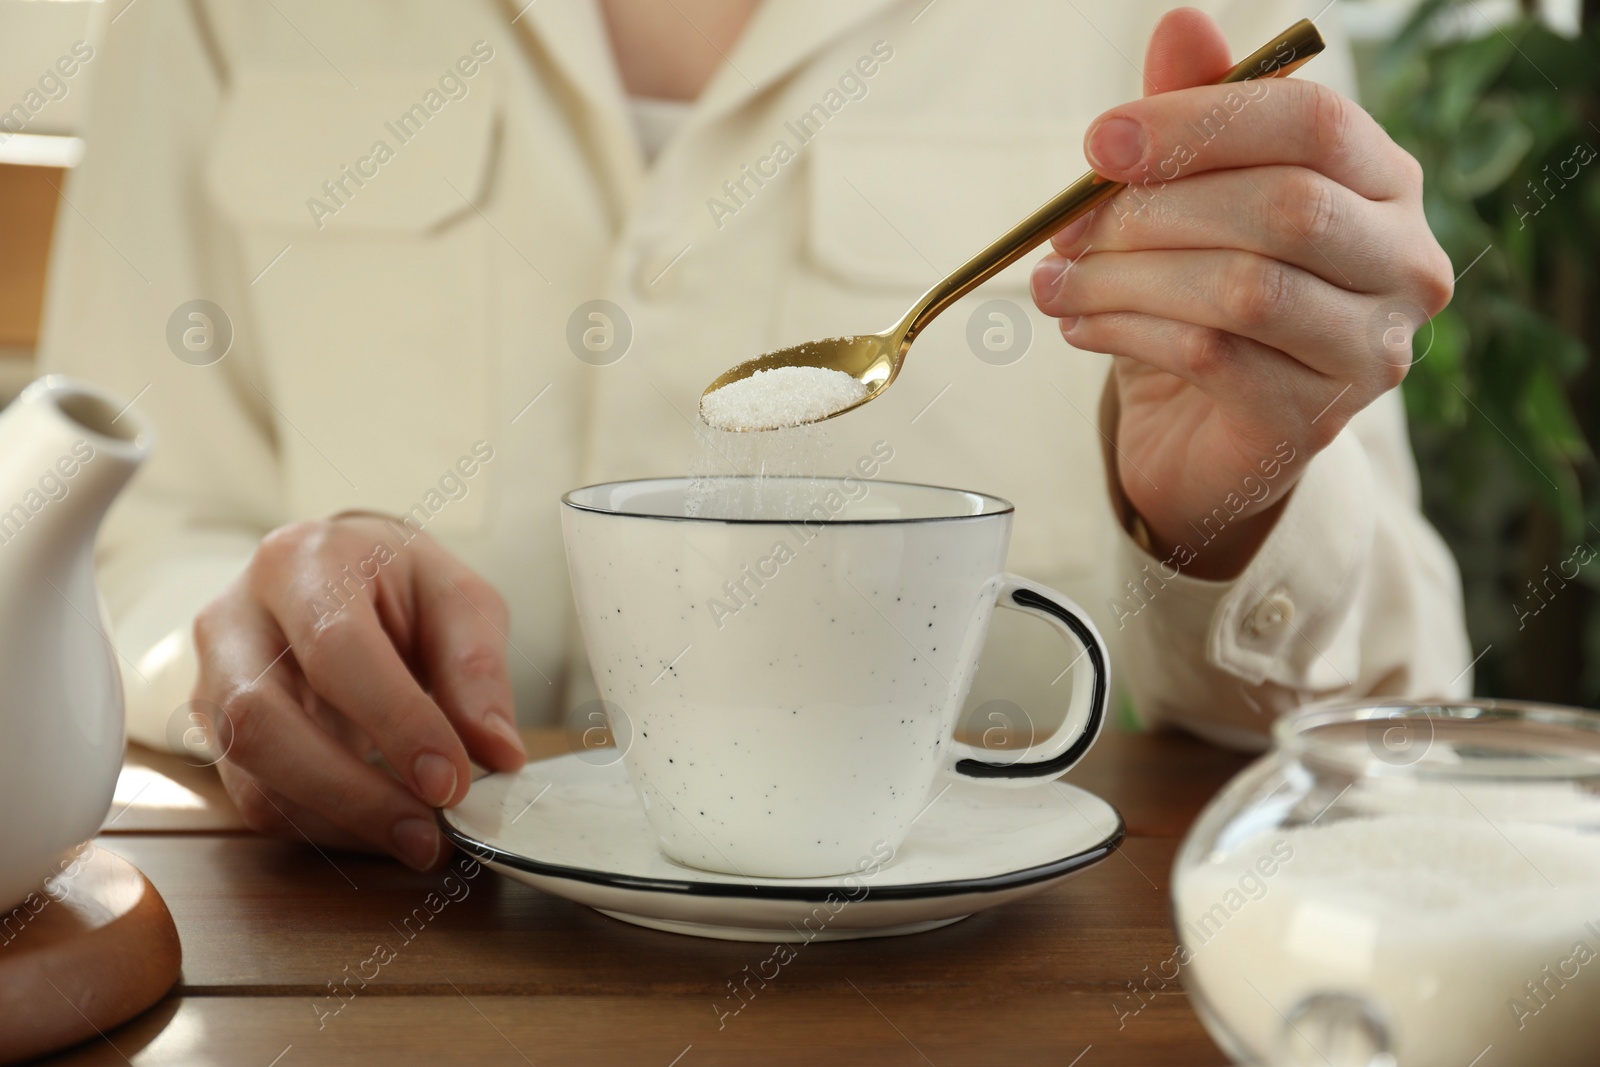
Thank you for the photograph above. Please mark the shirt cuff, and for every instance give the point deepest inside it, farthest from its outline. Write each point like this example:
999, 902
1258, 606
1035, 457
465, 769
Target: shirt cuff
1280, 620
155, 636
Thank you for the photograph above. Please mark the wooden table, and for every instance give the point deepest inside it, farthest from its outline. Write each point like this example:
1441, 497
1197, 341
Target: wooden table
508, 975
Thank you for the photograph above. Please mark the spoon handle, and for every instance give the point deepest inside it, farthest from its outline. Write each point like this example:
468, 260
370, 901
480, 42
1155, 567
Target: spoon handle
1282, 56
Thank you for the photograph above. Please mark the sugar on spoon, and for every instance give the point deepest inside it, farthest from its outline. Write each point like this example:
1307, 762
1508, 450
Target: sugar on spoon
821, 379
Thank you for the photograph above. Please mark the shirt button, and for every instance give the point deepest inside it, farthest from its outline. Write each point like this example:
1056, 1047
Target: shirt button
1270, 615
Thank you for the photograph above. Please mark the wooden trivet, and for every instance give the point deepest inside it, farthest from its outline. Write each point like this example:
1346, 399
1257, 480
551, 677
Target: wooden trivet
90, 949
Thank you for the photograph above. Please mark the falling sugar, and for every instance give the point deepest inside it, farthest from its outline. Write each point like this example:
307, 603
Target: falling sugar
780, 397
757, 475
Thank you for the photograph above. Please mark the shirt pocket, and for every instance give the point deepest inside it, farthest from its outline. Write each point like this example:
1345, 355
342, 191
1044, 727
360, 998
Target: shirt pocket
359, 236
889, 211
892, 207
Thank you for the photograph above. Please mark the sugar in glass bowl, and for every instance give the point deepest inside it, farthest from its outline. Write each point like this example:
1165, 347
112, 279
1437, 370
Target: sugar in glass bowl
1402, 885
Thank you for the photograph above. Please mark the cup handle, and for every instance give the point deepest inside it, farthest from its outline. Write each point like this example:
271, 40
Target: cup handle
1086, 705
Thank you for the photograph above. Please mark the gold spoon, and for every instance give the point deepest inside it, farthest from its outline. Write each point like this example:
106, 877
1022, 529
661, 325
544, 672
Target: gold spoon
875, 359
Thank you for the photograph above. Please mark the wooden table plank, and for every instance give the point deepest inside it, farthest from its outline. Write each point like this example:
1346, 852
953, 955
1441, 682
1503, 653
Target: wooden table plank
1158, 781
160, 792
270, 927
271, 916
779, 1026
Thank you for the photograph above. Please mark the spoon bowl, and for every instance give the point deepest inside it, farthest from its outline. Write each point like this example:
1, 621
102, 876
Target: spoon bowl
875, 359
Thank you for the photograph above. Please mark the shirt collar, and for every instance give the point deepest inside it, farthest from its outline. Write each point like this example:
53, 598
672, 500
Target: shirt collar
781, 35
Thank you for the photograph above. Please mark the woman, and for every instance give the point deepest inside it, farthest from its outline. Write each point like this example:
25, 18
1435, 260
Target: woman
456, 259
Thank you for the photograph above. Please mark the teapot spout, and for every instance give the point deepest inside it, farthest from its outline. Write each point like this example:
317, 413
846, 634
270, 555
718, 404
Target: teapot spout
66, 450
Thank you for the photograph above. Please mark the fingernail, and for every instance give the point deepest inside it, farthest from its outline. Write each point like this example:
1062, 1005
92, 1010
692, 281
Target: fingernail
417, 841
1067, 236
1046, 277
1069, 324
436, 777
1116, 144
504, 730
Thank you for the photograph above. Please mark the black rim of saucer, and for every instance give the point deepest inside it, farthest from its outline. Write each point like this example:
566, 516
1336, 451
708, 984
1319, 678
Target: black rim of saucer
774, 889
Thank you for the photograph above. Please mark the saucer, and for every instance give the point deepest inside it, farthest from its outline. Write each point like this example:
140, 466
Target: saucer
577, 830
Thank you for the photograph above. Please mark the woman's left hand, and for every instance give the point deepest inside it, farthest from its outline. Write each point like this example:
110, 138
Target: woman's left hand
1259, 283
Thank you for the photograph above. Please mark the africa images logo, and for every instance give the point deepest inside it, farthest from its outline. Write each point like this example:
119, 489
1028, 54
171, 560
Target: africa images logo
852, 85
453, 84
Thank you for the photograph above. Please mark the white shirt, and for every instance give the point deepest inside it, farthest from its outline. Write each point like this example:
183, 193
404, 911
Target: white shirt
383, 331
655, 121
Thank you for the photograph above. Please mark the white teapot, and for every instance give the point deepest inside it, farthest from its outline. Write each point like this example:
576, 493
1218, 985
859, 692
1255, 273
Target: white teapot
66, 450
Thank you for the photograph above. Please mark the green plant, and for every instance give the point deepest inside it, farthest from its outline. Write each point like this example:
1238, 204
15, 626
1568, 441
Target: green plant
1502, 399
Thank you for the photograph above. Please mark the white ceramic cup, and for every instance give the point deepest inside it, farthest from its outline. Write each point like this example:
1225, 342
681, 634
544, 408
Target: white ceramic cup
783, 690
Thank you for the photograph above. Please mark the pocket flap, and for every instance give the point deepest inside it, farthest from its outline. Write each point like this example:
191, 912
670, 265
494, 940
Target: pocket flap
901, 207
299, 150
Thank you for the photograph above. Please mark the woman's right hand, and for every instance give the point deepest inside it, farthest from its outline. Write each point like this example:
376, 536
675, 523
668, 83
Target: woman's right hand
343, 642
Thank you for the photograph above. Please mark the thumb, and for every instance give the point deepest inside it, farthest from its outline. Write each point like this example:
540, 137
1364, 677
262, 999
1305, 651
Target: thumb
1186, 49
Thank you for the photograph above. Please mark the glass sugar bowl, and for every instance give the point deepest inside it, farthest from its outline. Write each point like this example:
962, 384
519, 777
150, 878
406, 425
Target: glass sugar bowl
1402, 885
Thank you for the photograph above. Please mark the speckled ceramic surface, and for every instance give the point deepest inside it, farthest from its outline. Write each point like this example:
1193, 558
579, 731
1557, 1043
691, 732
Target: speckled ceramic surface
785, 691
576, 829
